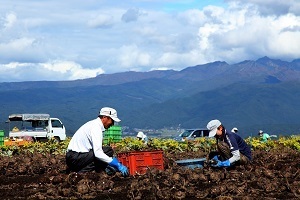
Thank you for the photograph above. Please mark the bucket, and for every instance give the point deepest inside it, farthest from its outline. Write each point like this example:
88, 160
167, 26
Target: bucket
191, 163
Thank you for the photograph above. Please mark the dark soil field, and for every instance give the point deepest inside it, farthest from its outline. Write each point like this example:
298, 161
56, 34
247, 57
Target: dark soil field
274, 174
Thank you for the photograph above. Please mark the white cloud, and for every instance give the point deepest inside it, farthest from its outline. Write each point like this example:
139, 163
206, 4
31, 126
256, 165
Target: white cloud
131, 57
192, 17
54, 70
273, 7
21, 49
67, 40
160, 68
246, 35
17, 45
101, 21
10, 20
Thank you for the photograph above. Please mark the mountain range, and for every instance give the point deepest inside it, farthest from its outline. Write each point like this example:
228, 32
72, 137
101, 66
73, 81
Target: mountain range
251, 95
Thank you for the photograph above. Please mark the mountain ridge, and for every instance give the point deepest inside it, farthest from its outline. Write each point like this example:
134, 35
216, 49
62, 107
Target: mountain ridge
187, 97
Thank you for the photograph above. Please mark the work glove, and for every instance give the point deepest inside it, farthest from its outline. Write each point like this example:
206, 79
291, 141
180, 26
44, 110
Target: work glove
215, 158
121, 168
213, 161
225, 163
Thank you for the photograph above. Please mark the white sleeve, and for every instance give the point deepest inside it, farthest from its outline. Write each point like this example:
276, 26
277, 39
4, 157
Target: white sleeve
97, 146
235, 156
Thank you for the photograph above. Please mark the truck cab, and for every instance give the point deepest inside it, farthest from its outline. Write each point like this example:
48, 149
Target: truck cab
56, 129
36, 126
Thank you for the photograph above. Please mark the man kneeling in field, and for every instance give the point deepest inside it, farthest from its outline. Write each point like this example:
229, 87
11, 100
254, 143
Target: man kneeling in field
231, 148
85, 152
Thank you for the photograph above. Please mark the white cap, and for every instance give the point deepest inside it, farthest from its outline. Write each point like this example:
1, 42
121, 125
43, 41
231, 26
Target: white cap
140, 134
110, 112
260, 132
234, 129
212, 126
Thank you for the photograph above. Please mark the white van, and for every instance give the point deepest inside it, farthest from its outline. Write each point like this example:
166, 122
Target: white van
36, 126
191, 134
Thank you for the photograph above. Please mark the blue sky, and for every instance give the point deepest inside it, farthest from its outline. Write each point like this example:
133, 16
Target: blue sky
180, 6
74, 39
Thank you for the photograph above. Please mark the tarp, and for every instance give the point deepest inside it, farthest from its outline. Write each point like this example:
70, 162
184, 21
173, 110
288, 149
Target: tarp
28, 117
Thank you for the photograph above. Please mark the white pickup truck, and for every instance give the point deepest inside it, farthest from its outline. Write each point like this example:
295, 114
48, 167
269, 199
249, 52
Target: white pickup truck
36, 126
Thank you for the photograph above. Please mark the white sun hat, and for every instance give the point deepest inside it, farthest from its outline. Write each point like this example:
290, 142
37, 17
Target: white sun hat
110, 112
212, 126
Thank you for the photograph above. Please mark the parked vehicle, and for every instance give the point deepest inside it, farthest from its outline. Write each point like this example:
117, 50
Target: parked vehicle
191, 134
36, 126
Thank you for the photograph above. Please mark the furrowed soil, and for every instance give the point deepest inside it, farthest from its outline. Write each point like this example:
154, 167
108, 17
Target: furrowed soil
273, 174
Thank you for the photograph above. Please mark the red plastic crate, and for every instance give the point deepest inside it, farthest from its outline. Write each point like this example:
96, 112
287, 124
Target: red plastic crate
138, 162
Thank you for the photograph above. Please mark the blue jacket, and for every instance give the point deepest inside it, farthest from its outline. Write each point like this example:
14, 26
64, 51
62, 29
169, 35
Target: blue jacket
235, 142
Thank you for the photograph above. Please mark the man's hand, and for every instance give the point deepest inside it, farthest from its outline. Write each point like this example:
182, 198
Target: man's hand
121, 168
213, 161
225, 163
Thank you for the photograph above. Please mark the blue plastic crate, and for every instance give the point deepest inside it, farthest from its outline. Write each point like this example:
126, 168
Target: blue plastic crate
192, 163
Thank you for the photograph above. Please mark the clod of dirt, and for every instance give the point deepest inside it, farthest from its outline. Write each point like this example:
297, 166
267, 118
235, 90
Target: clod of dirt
164, 193
202, 178
214, 177
38, 196
134, 184
194, 177
52, 192
215, 191
231, 186
176, 177
44, 180
82, 188
179, 195
73, 178
269, 173
58, 179
22, 169
66, 192
53, 161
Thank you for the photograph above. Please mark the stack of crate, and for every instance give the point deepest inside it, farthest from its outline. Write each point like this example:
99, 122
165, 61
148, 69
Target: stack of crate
112, 135
1, 138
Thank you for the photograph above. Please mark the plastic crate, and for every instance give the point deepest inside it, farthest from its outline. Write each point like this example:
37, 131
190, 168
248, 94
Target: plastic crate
1, 137
112, 135
138, 162
18, 142
192, 163
112, 139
